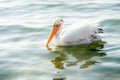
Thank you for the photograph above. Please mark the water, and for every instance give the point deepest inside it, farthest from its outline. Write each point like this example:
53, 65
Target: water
25, 26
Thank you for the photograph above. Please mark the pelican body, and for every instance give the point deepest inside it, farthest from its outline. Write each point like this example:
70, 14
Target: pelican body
74, 34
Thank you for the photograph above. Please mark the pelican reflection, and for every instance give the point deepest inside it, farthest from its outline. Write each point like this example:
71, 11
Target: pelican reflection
80, 56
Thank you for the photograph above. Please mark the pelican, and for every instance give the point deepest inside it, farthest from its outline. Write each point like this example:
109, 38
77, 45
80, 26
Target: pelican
74, 34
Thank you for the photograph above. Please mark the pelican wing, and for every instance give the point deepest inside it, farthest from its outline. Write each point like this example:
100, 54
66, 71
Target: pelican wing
76, 33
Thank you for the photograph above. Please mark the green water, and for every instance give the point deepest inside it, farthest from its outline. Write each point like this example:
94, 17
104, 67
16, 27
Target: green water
24, 29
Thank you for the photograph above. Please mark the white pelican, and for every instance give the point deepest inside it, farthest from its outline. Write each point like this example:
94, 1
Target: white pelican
75, 34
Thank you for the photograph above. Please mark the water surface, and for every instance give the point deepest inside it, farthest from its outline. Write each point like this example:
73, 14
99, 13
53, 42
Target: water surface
26, 24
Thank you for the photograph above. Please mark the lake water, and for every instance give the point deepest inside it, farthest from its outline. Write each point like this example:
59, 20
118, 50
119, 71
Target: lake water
25, 26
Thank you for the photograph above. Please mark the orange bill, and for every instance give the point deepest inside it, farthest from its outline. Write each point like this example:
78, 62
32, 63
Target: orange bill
53, 34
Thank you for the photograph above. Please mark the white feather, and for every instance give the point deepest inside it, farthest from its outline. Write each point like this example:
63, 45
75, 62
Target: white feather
77, 34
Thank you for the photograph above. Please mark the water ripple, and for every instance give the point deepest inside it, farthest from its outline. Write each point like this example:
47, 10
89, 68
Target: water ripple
25, 26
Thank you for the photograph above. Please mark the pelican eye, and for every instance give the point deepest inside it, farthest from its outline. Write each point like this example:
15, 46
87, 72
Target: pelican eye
61, 20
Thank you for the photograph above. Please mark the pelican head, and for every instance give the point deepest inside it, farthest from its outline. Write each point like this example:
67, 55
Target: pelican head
56, 26
57, 21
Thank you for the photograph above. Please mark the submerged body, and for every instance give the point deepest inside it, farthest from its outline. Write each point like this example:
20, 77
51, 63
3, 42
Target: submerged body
75, 34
